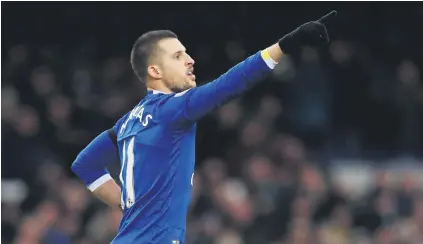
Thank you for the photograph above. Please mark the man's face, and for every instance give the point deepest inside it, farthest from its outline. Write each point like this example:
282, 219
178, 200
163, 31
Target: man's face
176, 65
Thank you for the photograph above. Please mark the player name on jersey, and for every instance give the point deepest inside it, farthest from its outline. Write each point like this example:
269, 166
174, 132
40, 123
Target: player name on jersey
137, 112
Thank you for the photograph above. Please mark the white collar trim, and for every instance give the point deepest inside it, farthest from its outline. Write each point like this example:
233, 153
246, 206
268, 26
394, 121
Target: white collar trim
157, 92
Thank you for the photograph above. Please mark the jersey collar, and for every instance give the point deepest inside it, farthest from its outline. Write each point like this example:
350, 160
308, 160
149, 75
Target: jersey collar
151, 91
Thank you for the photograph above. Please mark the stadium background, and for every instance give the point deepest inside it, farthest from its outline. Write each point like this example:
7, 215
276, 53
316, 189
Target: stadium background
327, 150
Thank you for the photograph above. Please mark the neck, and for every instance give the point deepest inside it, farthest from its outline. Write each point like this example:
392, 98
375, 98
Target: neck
158, 86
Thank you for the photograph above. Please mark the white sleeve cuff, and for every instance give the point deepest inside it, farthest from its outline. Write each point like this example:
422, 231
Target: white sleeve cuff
268, 60
100, 181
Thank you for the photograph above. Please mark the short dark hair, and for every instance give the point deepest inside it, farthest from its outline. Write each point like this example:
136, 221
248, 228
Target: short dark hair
144, 48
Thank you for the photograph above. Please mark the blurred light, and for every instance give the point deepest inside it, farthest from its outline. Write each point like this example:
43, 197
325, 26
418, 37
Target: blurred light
235, 191
285, 69
309, 55
18, 54
13, 191
340, 51
235, 52
230, 114
408, 73
354, 179
9, 102
43, 80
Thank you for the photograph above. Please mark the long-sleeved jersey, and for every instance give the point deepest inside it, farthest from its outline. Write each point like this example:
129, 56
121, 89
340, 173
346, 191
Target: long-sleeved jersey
156, 146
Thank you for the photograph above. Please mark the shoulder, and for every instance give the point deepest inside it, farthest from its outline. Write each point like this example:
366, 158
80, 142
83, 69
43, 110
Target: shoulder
169, 107
172, 99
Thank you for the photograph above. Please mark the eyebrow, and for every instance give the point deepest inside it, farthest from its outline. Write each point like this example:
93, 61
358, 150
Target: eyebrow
179, 52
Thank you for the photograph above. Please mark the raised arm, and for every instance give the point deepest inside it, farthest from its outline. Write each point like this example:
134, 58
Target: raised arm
192, 104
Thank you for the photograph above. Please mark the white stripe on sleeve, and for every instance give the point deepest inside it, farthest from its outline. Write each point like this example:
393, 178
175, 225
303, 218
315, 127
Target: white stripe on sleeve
100, 181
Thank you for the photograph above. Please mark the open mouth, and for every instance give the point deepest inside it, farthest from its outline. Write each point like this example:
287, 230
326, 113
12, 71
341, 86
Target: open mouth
190, 73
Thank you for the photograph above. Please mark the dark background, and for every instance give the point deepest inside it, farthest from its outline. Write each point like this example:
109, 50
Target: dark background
326, 126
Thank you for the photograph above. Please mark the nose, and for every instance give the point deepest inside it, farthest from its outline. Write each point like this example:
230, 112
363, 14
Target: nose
190, 61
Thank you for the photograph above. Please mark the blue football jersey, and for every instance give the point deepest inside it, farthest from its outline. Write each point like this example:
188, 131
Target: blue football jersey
156, 142
157, 168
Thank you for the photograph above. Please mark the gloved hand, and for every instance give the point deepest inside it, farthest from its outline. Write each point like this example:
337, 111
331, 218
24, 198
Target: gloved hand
313, 33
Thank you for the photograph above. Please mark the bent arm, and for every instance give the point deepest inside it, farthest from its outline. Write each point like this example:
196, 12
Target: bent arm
90, 167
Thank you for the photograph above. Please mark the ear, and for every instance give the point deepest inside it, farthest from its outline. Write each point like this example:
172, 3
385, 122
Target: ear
154, 71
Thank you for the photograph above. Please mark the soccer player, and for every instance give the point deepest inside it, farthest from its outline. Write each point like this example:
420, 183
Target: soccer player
156, 140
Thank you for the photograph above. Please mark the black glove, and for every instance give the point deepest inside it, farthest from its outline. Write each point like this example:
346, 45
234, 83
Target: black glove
312, 33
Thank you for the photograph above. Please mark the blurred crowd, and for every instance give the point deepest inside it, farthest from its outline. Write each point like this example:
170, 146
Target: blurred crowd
327, 150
